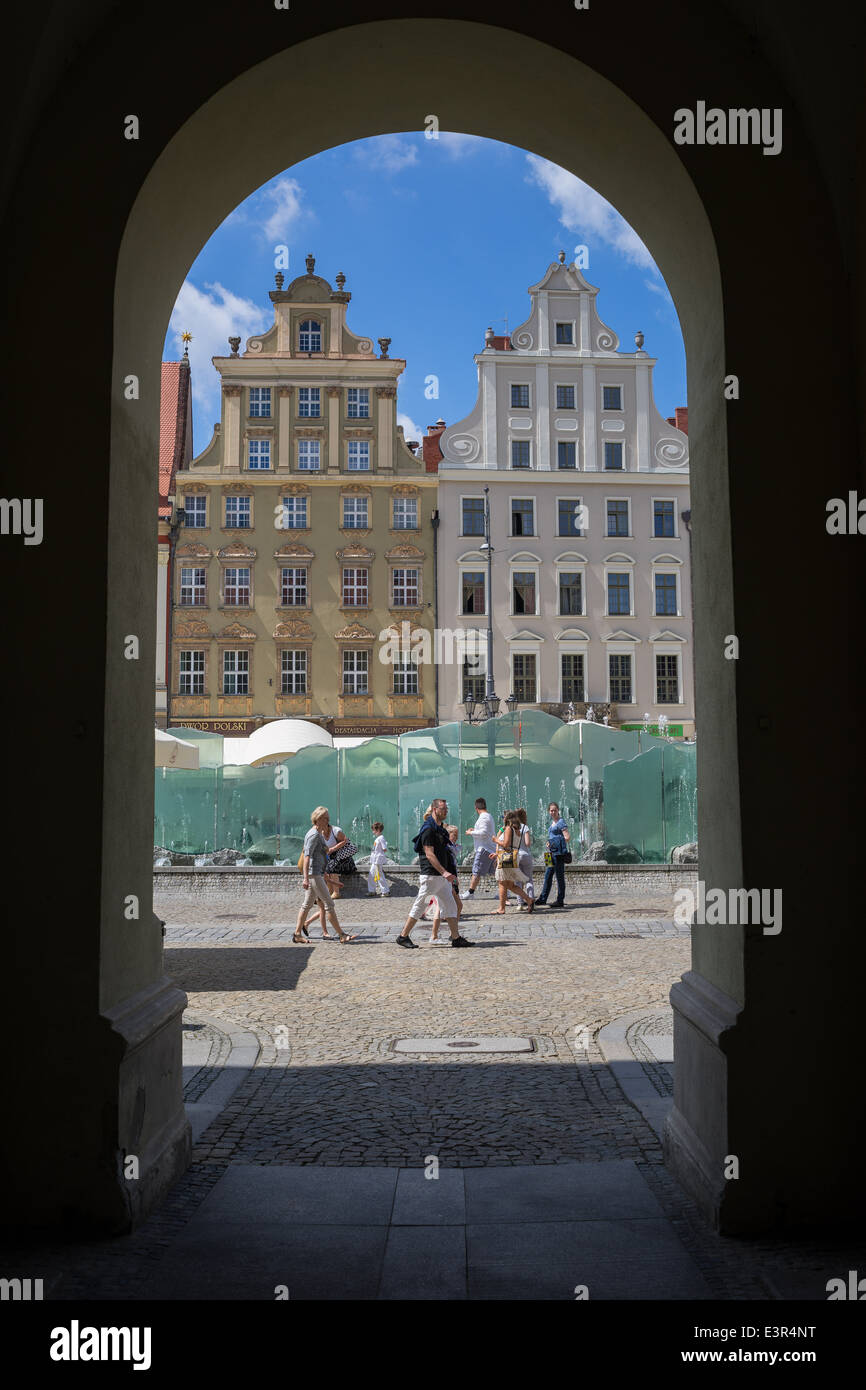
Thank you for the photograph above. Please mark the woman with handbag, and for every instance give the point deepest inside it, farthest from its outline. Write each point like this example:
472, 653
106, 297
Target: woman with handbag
508, 874
556, 856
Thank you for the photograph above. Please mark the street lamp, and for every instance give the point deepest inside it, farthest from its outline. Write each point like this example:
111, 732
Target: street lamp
511, 702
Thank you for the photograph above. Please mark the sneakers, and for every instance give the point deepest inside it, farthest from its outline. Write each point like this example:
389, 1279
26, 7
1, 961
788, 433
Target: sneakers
407, 941
461, 941
467, 894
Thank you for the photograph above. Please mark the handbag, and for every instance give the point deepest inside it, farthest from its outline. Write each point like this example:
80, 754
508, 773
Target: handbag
548, 859
507, 858
344, 850
566, 858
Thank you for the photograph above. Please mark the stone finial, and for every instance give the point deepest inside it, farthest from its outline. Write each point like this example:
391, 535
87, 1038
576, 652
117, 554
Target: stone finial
638, 341
488, 337
186, 339
341, 280
311, 263
234, 344
562, 258
384, 344
279, 277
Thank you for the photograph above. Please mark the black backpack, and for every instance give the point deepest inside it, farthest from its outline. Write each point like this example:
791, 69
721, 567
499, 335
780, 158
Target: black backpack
416, 843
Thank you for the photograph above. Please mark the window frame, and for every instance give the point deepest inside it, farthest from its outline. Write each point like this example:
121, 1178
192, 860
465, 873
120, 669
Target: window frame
232, 567
520, 467
405, 502
611, 386
358, 445
308, 444
194, 587
296, 569
295, 499
195, 497
309, 413
237, 498
355, 652
470, 497
613, 444
653, 533
294, 652
618, 535
564, 323
355, 500
260, 414
193, 652
520, 386
518, 535
265, 446
564, 386
357, 413
355, 569
240, 670
310, 326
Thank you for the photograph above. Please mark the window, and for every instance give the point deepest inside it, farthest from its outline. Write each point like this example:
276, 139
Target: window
520, 397
524, 677
565, 334
520, 453
618, 593
236, 590
566, 454
310, 336
405, 514
523, 591
611, 398
308, 455
309, 401
192, 586
522, 516
355, 672
612, 454
238, 513
569, 516
191, 673
293, 672
195, 511
294, 516
570, 592
473, 516
293, 587
474, 673
666, 595
355, 513
359, 455
405, 588
356, 589
358, 403
617, 517
565, 398
260, 401
259, 455
236, 673
619, 665
663, 518
667, 679
405, 677
472, 592
571, 668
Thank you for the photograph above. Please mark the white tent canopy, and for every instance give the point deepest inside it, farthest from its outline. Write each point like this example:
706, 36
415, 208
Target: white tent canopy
174, 752
279, 739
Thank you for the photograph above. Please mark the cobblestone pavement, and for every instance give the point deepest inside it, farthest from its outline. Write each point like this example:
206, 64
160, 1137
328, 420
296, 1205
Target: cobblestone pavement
327, 1088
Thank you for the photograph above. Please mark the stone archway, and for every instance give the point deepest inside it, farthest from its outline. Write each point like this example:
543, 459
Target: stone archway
233, 145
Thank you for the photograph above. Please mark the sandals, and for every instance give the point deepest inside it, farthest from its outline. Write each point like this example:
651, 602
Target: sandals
298, 939
353, 936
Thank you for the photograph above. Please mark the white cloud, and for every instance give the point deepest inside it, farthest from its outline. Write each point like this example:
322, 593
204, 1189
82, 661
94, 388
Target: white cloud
275, 211
586, 213
388, 152
410, 429
457, 145
212, 314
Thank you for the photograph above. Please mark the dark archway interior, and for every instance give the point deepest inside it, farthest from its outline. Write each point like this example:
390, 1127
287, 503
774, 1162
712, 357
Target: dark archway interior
760, 255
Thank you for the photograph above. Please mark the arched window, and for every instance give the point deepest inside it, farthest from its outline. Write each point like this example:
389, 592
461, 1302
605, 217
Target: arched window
310, 339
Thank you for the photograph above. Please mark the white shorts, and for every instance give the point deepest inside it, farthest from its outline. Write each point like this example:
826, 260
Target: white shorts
434, 886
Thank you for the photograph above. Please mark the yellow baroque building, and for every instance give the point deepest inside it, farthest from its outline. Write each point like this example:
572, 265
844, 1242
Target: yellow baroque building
305, 539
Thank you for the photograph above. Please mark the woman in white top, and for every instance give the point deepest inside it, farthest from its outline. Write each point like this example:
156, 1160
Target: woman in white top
524, 855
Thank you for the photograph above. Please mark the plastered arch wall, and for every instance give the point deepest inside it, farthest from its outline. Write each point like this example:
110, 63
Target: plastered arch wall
255, 127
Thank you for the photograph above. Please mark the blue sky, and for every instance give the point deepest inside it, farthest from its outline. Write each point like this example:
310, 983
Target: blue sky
437, 238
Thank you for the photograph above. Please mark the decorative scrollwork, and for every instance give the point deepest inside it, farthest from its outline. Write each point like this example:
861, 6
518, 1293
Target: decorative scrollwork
255, 345
465, 446
523, 339
365, 344
671, 453
607, 341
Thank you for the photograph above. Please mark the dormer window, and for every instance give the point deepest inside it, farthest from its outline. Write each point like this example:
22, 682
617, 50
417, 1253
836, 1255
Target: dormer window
565, 334
310, 336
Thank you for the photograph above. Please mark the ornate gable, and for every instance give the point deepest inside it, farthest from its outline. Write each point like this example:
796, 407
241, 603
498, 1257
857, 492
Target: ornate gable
404, 552
193, 550
236, 632
236, 550
355, 552
294, 551
194, 627
293, 629
355, 632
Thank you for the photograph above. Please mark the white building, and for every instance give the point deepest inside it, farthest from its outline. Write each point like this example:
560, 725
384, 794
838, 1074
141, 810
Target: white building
587, 486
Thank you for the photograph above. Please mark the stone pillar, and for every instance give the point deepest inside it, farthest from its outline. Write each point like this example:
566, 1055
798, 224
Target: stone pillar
284, 428
643, 459
590, 445
542, 417
231, 431
489, 455
334, 434
386, 427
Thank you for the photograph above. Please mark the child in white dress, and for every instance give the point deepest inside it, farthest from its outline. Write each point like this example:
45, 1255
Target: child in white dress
376, 880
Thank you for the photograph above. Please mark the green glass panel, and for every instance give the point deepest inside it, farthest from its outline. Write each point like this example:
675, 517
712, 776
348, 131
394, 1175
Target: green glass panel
633, 804
428, 766
312, 781
680, 795
183, 809
368, 792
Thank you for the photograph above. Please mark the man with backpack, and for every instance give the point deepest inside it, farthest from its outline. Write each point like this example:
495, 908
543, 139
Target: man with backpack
435, 878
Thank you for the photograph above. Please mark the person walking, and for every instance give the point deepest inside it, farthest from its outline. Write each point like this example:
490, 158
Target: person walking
435, 878
508, 873
376, 880
558, 837
451, 851
313, 869
484, 860
334, 837
524, 853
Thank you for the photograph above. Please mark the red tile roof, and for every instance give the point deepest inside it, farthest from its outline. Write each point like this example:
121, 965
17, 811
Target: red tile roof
175, 429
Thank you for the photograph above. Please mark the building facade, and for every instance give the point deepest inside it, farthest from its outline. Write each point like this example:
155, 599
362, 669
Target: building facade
305, 536
587, 486
175, 451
